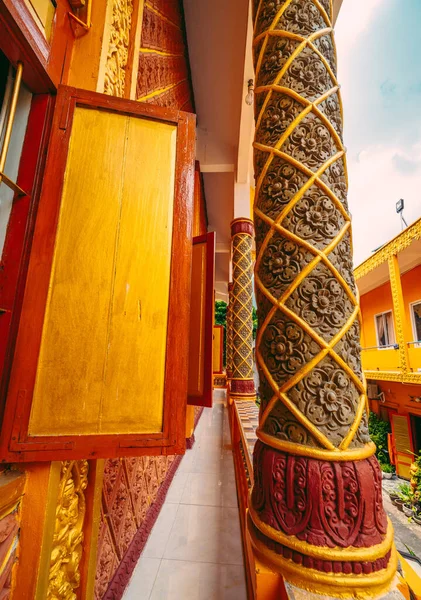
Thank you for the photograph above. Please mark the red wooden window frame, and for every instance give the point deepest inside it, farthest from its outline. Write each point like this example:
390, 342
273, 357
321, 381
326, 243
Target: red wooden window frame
207, 396
16, 444
17, 244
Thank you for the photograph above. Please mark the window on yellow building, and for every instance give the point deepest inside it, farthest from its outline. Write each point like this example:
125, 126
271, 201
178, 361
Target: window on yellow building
416, 320
385, 330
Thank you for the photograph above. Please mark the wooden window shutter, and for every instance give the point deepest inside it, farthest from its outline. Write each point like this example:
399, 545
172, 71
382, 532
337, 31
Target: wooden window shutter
200, 389
100, 369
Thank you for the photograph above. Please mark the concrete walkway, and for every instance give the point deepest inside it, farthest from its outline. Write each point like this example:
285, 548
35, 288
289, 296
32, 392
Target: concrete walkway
195, 551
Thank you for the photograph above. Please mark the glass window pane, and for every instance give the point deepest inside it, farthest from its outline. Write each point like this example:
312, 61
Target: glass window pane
13, 157
389, 328
381, 332
416, 313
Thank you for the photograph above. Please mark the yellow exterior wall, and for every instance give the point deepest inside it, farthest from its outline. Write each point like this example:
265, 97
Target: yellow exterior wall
411, 287
380, 300
377, 301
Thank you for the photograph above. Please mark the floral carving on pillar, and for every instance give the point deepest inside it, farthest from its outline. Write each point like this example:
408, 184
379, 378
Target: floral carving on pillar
66, 554
118, 48
316, 501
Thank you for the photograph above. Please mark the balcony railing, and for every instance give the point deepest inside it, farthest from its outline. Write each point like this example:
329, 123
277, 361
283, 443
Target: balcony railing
414, 356
381, 358
386, 358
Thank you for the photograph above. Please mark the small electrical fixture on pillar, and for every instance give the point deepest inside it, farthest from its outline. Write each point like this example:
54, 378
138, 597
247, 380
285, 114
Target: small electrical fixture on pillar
315, 514
242, 381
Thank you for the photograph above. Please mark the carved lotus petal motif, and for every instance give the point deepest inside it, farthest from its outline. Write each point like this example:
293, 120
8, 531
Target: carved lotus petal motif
310, 143
278, 114
285, 347
307, 75
301, 17
315, 218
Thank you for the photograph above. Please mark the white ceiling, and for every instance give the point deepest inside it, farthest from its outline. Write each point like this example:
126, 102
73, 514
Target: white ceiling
219, 37
216, 36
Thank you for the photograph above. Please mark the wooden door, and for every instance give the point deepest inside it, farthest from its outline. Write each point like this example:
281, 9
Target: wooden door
200, 386
402, 444
99, 370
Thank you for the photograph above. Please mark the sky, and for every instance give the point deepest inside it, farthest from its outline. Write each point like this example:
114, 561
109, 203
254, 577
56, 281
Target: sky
379, 70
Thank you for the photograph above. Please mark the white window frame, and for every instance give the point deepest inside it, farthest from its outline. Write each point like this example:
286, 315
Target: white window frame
385, 312
414, 328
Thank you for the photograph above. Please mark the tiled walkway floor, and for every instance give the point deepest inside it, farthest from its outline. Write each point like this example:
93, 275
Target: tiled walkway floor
194, 551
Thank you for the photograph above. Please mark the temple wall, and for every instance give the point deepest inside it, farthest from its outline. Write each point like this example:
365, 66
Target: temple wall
134, 488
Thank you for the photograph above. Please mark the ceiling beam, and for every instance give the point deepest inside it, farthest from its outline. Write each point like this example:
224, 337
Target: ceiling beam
224, 168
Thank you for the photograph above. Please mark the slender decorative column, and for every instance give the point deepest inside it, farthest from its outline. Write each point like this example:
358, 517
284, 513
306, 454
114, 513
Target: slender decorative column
242, 382
228, 352
398, 311
315, 513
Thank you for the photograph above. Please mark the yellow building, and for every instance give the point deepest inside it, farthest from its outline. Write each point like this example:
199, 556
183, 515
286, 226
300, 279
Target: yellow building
389, 283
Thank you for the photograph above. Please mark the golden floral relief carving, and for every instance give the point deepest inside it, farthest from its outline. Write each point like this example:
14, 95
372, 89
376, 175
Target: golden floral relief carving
118, 48
64, 576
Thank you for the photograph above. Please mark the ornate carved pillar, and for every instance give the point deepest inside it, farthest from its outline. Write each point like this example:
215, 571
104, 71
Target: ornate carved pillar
316, 512
229, 333
242, 382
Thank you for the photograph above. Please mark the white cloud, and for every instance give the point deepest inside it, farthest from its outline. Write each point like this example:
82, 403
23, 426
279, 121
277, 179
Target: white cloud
381, 173
376, 182
354, 18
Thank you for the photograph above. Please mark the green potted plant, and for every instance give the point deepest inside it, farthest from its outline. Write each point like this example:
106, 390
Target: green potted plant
404, 493
378, 430
393, 495
416, 517
387, 470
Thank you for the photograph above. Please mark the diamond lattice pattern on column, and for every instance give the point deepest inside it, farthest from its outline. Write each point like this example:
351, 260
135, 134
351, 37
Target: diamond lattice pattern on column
308, 341
242, 308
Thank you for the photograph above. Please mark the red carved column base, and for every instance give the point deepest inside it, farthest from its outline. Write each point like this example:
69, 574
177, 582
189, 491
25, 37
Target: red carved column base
322, 523
242, 388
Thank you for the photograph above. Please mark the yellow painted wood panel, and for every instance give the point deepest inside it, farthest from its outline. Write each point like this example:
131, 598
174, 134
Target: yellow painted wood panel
216, 349
70, 370
43, 11
134, 383
401, 434
102, 357
403, 445
197, 320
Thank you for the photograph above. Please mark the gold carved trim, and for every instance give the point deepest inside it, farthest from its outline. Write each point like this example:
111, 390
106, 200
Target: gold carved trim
332, 584
118, 48
337, 553
12, 484
94, 532
398, 376
317, 453
398, 310
61, 550
396, 245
